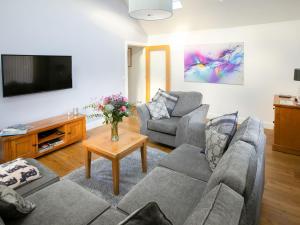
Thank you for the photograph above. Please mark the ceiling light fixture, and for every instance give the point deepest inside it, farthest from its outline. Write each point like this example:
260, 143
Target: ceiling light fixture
177, 4
150, 9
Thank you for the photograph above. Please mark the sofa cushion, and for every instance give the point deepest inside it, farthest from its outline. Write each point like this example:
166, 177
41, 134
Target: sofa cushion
110, 217
48, 177
187, 102
148, 215
167, 126
163, 138
249, 131
233, 168
63, 203
12, 204
189, 160
175, 193
221, 205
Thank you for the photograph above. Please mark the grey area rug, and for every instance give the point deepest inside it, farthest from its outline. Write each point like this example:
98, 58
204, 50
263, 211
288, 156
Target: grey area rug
131, 173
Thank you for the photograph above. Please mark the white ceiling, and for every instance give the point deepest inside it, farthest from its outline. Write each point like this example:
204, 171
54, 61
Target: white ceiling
209, 14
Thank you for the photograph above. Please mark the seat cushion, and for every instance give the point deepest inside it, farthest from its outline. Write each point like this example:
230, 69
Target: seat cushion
63, 203
222, 205
110, 217
234, 168
162, 138
189, 160
167, 126
249, 131
175, 193
48, 177
187, 102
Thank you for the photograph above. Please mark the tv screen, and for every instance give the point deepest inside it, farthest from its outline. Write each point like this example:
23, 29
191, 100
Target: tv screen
25, 74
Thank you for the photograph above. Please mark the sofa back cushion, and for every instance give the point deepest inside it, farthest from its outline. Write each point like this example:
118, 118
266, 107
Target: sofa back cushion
221, 205
249, 131
187, 102
236, 169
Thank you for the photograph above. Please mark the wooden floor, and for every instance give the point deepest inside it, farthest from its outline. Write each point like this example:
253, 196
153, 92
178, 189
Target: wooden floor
281, 201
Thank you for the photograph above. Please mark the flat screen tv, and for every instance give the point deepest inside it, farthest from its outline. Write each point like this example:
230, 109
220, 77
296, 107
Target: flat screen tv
25, 74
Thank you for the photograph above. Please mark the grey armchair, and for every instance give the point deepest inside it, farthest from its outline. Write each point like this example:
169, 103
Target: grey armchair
186, 125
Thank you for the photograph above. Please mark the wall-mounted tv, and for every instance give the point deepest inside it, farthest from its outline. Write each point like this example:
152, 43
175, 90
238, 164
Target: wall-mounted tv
25, 74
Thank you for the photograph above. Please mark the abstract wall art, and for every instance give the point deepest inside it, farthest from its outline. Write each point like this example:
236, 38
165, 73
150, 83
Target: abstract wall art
214, 63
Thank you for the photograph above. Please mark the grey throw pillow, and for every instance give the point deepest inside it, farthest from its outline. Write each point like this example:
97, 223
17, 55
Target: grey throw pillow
219, 132
150, 214
169, 100
158, 110
12, 204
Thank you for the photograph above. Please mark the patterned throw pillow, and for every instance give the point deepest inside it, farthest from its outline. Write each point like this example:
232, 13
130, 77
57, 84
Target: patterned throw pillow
226, 124
169, 100
13, 205
158, 110
219, 132
215, 147
150, 214
18, 172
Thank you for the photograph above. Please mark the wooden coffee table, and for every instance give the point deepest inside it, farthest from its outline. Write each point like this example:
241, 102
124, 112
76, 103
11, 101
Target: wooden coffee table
102, 145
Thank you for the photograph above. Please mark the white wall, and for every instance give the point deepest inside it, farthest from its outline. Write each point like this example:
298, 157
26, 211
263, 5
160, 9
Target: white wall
272, 51
92, 31
137, 76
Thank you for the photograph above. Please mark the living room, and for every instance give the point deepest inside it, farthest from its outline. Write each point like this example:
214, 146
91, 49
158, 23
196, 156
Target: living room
123, 130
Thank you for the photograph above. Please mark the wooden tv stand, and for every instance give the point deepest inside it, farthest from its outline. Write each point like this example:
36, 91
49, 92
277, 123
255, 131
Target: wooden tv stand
56, 133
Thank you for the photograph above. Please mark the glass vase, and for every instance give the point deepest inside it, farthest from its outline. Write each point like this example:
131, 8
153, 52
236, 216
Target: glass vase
114, 132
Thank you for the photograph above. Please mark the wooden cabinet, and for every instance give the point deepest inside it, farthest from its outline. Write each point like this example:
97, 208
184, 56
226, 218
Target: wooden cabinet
54, 133
24, 147
286, 126
74, 131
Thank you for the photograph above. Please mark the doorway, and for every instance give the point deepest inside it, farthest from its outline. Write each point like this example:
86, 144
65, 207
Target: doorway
158, 71
148, 70
136, 74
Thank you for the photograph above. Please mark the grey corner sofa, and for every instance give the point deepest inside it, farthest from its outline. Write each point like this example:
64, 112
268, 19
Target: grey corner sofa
183, 185
174, 131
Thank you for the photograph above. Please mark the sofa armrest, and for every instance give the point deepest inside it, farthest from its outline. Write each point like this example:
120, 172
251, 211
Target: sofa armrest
196, 135
198, 116
144, 116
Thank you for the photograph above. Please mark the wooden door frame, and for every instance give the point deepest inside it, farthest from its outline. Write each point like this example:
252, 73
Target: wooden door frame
149, 49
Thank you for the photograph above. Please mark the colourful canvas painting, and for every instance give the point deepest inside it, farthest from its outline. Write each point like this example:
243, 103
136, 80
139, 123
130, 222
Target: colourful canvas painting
215, 63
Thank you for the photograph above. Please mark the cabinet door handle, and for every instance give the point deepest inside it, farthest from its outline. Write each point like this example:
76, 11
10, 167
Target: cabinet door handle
69, 132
